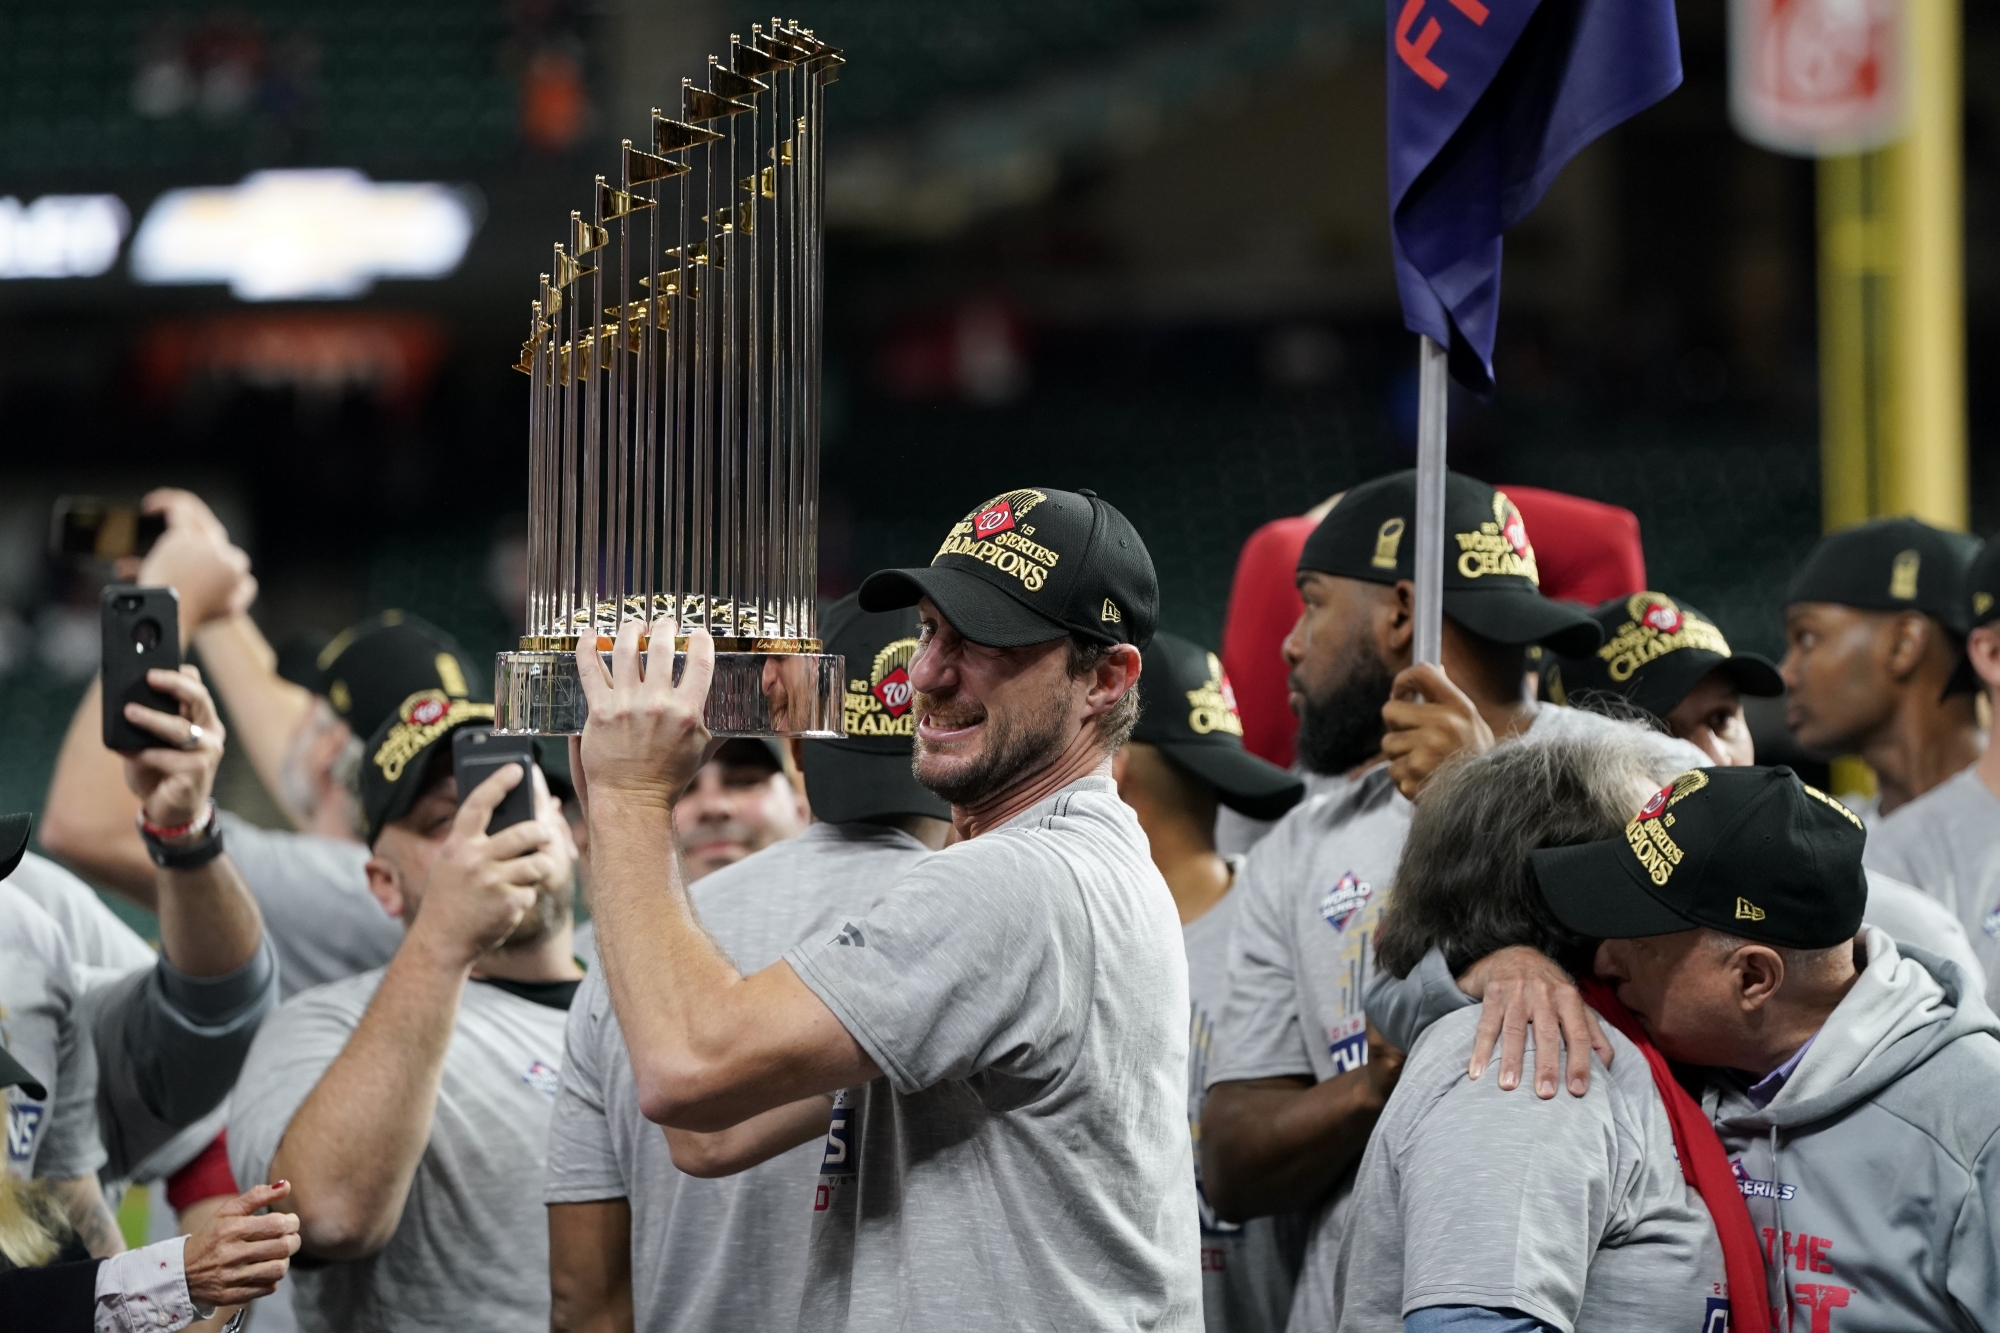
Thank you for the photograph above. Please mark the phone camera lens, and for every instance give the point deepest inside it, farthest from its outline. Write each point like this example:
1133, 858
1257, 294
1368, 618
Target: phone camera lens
146, 635
127, 605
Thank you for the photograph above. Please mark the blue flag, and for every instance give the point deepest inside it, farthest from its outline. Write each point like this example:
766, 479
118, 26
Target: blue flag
1488, 99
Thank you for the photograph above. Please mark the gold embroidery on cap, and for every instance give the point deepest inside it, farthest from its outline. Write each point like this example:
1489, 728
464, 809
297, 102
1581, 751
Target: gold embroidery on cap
1110, 613
1903, 575
1387, 540
988, 534
1748, 911
1658, 626
1819, 795
421, 719
1982, 602
1499, 547
1212, 706
337, 694
882, 704
1658, 854
451, 676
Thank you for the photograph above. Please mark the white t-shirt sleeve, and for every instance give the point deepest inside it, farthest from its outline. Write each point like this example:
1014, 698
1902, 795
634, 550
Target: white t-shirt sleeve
292, 1051
980, 956
71, 1146
1260, 1035
583, 1165
1504, 1199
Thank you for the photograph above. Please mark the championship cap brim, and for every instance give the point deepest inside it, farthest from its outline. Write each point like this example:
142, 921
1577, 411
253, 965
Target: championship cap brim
14, 1074
1253, 787
845, 785
1521, 616
1592, 889
13, 841
1668, 680
976, 609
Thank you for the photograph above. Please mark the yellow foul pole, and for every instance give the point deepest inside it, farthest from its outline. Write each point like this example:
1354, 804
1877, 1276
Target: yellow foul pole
1892, 300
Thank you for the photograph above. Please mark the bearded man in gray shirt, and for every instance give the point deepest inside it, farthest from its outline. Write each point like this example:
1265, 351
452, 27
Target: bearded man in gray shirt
637, 1238
1004, 1035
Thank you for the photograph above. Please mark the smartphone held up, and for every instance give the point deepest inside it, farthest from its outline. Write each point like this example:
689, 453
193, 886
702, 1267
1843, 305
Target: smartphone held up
477, 754
141, 632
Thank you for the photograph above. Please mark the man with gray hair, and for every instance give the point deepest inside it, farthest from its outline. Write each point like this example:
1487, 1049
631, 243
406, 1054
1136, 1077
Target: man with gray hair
1607, 1232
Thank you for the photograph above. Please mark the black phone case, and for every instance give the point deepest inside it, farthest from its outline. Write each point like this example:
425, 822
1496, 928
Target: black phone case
142, 630
476, 753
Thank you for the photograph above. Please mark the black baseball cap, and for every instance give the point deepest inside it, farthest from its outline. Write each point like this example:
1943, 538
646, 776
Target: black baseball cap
397, 761
1655, 650
14, 830
866, 775
1891, 564
1189, 714
1031, 565
1748, 851
1982, 607
367, 670
1491, 584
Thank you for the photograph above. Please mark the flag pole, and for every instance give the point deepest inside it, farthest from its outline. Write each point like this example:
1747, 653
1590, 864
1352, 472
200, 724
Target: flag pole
1432, 386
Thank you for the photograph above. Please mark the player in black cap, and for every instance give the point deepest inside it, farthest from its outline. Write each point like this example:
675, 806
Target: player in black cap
1020, 993
1875, 623
1947, 841
465, 1024
1668, 659
1350, 654
1855, 1084
1185, 757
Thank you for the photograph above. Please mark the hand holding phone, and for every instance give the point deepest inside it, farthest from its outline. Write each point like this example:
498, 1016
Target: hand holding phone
476, 754
142, 632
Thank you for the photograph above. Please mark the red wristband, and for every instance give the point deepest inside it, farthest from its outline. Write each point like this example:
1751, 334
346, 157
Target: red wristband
166, 831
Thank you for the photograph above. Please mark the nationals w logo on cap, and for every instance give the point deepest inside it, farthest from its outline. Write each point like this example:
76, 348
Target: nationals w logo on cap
1032, 565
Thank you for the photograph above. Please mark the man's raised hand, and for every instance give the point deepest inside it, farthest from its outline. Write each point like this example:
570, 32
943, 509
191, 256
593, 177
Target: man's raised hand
1427, 721
1523, 989
645, 735
173, 782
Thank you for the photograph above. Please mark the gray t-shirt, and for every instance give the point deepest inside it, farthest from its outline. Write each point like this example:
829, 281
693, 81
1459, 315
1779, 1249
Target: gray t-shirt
472, 1248
43, 1027
725, 1255
313, 892
1248, 1269
1947, 843
1304, 948
102, 948
1572, 1211
1023, 1162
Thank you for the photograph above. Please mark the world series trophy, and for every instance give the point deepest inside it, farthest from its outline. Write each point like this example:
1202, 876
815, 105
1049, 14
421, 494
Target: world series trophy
673, 447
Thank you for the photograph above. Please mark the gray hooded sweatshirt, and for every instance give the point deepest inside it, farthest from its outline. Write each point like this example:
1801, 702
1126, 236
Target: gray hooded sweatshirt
1873, 1176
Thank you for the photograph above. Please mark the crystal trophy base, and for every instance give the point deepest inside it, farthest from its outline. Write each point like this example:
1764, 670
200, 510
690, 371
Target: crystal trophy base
753, 694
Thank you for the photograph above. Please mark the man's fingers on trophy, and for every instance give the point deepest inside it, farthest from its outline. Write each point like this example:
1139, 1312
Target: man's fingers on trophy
590, 673
661, 637
627, 672
700, 668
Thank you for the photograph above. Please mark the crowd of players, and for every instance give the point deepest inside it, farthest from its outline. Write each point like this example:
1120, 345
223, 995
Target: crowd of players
1039, 1001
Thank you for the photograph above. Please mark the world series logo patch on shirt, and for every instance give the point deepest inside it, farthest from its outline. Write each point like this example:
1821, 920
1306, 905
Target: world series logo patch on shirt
542, 1077
1349, 894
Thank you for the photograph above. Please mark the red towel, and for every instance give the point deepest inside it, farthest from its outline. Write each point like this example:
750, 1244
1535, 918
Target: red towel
1588, 551
1705, 1166
1263, 606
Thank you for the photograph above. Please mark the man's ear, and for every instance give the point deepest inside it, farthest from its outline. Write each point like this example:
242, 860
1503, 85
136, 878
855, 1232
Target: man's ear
1983, 647
1909, 640
1396, 621
1759, 972
384, 883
